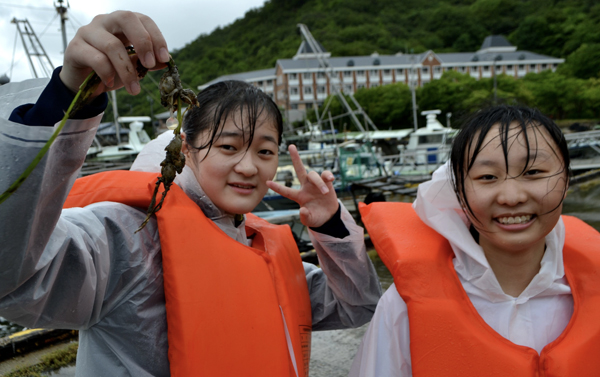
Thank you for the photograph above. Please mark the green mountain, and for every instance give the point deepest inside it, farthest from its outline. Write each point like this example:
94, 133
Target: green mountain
562, 28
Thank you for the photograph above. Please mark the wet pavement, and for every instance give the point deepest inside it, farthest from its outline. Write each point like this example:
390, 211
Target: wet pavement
333, 351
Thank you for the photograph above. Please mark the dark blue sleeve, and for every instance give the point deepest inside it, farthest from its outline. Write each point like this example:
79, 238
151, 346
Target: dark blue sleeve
334, 227
53, 103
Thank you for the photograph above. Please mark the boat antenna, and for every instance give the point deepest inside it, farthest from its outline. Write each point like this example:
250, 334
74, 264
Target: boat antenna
62, 12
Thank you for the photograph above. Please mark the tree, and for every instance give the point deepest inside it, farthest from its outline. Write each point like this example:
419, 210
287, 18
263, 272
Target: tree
388, 106
450, 93
583, 63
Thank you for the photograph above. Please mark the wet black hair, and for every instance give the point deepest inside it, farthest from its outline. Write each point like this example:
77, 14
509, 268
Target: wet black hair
469, 142
222, 100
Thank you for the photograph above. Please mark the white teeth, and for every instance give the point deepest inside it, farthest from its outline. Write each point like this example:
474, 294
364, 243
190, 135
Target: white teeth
514, 220
245, 187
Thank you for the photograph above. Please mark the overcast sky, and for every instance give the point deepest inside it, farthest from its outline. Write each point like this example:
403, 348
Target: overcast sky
181, 21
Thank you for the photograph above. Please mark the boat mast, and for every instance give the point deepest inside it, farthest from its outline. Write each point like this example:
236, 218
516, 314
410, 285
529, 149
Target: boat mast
62, 11
413, 86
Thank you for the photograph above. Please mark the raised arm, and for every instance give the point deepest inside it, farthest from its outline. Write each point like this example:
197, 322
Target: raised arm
345, 290
49, 257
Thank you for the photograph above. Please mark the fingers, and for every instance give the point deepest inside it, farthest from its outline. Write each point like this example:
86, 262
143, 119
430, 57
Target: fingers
159, 45
315, 179
297, 163
305, 217
100, 46
111, 60
287, 192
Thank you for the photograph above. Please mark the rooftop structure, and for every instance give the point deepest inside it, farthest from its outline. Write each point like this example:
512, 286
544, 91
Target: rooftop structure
300, 83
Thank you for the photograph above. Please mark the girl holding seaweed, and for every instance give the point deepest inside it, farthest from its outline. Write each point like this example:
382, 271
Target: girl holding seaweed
204, 288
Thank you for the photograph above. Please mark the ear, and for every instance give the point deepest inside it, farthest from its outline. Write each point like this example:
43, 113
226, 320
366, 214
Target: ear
184, 145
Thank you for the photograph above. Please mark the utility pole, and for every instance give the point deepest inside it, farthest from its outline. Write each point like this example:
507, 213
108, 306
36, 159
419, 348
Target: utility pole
62, 11
497, 58
113, 94
413, 84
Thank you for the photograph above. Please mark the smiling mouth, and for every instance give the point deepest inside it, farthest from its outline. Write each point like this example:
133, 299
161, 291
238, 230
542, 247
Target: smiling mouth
514, 219
242, 186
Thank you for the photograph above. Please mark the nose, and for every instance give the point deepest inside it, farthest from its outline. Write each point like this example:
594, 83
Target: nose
512, 192
246, 165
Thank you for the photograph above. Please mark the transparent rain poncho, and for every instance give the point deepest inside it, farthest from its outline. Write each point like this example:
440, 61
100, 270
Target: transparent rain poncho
85, 269
547, 301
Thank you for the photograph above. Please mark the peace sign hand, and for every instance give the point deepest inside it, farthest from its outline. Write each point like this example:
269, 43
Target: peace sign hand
316, 196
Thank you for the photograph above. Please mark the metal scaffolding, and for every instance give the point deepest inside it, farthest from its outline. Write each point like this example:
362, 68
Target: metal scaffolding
33, 48
335, 85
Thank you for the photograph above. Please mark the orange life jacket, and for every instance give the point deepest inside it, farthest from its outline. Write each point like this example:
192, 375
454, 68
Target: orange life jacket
448, 336
232, 310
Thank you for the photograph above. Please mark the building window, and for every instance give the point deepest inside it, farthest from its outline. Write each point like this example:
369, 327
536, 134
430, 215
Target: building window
509, 67
532, 67
294, 90
373, 73
321, 75
425, 70
400, 71
544, 66
554, 65
374, 85
308, 105
360, 73
260, 83
293, 76
521, 67
347, 73
347, 88
437, 69
321, 89
307, 75
360, 86
269, 82
387, 72
308, 90
486, 68
294, 106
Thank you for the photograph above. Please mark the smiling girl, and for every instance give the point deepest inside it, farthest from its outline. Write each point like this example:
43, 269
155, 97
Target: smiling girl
489, 279
205, 289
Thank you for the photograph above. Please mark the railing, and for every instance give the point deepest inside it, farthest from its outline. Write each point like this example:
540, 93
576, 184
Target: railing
423, 161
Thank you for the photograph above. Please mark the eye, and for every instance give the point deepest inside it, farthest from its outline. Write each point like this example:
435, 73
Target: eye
533, 172
486, 177
266, 152
227, 147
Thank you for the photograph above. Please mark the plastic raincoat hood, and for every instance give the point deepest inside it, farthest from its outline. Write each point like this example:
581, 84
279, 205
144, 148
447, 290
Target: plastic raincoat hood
438, 207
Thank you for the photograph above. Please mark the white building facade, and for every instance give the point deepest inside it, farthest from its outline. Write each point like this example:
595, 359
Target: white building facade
300, 83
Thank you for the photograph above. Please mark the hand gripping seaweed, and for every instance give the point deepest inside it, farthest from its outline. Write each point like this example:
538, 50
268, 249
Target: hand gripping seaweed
172, 96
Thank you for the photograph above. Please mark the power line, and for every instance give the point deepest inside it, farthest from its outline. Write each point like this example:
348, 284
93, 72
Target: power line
47, 26
14, 51
26, 6
72, 18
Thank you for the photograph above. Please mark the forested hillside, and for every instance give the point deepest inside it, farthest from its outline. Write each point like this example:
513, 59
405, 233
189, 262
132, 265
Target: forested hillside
568, 29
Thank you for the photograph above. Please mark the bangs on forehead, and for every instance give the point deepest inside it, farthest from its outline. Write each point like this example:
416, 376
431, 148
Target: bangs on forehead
527, 133
471, 140
227, 100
